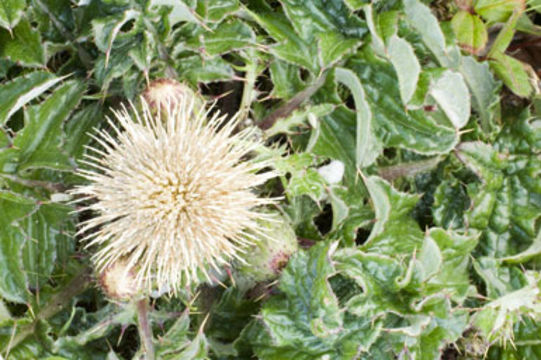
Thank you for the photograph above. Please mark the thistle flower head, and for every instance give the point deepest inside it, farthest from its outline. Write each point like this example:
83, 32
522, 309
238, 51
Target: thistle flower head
174, 194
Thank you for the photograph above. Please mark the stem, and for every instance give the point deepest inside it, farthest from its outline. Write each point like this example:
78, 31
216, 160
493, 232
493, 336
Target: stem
57, 302
248, 89
286, 109
145, 332
51, 186
163, 55
409, 169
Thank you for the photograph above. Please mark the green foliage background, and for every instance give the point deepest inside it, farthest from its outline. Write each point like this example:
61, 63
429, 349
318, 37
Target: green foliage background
427, 247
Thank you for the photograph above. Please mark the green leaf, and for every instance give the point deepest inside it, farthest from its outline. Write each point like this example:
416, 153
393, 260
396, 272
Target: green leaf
303, 179
349, 213
78, 128
497, 10
513, 74
422, 19
40, 140
299, 118
176, 345
334, 47
298, 53
97, 325
34, 237
196, 70
228, 36
176, 337
378, 43
451, 276
412, 300
196, 350
382, 27
333, 137
499, 280
23, 45
106, 30
180, 11
393, 216
406, 66
301, 211
305, 321
17, 93
336, 30
367, 146
11, 12
106, 69
216, 11
505, 36
524, 345
290, 47
143, 54
12, 275
506, 206
532, 251
452, 95
421, 130
286, 80
231, 314
35, 241
45, 236
354, 4
450, 204
484, 90
496, 319
470, 31
310, 18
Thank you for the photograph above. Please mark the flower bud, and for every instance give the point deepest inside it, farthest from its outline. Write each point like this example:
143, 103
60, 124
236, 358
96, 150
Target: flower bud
118, 281
270, 254
164, 93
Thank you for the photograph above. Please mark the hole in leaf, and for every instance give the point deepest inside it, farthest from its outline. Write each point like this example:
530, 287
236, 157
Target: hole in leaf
128, 26
344, 288
323, 221
362, 236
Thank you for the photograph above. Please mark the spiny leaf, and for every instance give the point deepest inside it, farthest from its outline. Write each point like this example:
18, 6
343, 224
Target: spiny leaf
316, 17
40, 139
107, 29
23, 89
420, 130
305, 322
393, 216
23, 45
217, 10
227, 36
11, 12
506, 206
13, 286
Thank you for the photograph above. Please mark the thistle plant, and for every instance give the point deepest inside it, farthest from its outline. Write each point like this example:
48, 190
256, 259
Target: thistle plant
173, 194
406, 139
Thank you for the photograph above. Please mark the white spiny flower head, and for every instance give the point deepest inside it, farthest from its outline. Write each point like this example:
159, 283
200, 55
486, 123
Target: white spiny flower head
173, 194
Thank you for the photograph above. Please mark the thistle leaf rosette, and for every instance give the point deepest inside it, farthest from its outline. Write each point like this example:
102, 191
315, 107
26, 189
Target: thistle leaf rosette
174, 194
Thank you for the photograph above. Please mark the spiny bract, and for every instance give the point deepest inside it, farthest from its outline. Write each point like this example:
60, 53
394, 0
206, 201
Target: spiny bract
174, 194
